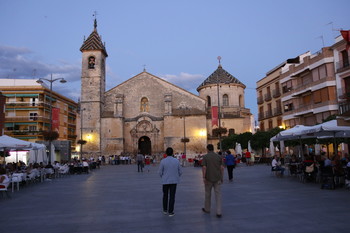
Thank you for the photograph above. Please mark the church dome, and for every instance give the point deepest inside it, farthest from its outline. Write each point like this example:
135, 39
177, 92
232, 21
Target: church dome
222, 76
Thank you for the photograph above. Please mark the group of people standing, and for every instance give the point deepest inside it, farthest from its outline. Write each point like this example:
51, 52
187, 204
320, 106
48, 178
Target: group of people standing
170, 171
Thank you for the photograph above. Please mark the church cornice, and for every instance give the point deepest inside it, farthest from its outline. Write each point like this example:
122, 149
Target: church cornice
153, 118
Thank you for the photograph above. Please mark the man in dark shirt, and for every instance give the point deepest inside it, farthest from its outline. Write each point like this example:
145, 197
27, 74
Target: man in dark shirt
213, 172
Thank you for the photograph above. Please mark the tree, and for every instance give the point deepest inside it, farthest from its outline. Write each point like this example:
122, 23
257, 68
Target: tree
50, 135
244, 138
229, 142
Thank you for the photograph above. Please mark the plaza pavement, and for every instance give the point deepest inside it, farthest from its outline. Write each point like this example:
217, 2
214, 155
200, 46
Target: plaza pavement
119, 199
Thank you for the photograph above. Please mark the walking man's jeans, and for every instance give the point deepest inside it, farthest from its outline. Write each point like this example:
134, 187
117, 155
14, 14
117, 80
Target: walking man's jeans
217, 190
169, 191
230, 171
139, 166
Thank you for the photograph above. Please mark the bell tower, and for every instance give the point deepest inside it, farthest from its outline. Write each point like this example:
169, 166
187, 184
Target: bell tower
93, 76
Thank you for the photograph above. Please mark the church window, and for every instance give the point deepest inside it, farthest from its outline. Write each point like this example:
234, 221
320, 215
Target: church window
209, 101
240, 99
91, 62
225, 100
144, 105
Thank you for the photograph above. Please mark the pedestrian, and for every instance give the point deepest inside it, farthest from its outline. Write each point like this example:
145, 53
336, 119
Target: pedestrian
147, 163
139, 159
170, 172
230, 162
212, 171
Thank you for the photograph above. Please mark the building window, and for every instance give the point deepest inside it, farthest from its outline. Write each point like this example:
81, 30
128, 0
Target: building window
33, 116
225, 100
209, 101
288, 107
231, 132
240, 99
287, 86
345, 57
144, 105
91, 62
270, 125
32, 128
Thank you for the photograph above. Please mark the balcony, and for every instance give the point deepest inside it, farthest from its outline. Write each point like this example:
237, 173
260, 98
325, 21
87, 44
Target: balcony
286, 89
27, 104
342, 65
268, 114
277, 111
344, 109
24, 132
260, 100
276, 93
267, 97
261, 116
27, 118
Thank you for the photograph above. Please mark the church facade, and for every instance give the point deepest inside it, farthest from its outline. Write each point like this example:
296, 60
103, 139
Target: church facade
148, 114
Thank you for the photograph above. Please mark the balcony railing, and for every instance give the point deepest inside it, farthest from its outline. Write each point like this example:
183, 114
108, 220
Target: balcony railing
23, 132
27, 118
27, 104
268, 114
344, 109
267, 97
260, 100
261, 116
342, 65
276, 93
277, 111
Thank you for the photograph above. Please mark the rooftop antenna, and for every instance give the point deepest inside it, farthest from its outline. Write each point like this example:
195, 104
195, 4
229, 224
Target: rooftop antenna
34, 73
321, 37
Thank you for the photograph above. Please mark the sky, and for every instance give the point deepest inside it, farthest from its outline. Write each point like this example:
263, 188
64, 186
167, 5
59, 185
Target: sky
177, 40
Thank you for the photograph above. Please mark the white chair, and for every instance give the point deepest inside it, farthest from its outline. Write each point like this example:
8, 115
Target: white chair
16, 178
3, 189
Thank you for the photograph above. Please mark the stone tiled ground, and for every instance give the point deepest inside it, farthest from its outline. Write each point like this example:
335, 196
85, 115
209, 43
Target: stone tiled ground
119, 199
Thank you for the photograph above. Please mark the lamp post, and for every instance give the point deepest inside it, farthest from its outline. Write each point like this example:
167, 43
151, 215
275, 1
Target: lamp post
81, 132
184, 108
41, 81
219, 117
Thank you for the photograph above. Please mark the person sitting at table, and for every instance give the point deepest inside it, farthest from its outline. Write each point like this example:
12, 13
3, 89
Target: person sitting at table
293, 165
4, 179
49, 170
85, 166
276, 165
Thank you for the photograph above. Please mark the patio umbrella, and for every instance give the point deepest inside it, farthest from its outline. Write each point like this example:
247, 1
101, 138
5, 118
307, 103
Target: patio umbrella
238, 149
317, 149
272, 148
249, 147
282, 147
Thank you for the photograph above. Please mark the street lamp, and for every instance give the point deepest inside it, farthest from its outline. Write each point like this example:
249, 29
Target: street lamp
41, 81
184, 140
81, 133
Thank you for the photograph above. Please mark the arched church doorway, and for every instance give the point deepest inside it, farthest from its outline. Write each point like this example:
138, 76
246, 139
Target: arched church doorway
145, 146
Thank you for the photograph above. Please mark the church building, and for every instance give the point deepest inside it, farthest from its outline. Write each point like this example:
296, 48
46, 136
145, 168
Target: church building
148, 114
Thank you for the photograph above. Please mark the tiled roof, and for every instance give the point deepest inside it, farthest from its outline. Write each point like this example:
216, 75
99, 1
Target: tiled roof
222, 76
94, 42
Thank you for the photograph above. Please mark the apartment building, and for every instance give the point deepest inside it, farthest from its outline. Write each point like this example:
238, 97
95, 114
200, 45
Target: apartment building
269, 100
342, 73
309, 92
269, 95
2, 113
27, 111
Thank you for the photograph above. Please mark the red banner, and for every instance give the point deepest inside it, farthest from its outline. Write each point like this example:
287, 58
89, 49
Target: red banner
346, 37
214, 116
55, 119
